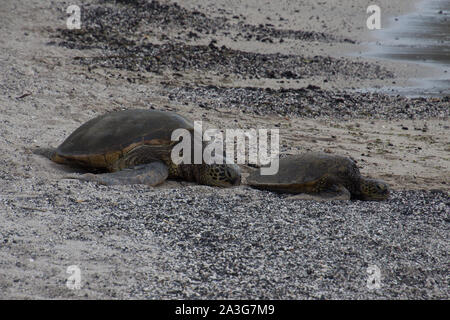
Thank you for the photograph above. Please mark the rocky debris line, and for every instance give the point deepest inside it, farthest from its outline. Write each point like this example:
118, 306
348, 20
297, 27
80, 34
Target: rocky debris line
190, 22
312, 102
121, 34
266, 33
127, 54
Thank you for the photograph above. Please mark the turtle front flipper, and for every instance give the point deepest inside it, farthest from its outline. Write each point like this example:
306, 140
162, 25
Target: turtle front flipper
337, 192
150, 174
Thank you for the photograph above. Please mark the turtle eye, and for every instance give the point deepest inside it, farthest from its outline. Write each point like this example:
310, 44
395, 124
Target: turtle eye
380, 187
384, 189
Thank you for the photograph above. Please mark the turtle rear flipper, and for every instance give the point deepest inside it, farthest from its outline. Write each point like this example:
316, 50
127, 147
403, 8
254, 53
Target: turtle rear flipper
46, 152
338, 192
150, 174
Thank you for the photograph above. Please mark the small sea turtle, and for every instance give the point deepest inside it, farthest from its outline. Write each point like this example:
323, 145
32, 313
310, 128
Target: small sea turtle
134, 147
320, 176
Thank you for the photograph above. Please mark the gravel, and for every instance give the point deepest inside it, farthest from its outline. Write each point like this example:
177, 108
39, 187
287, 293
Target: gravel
201, 242
313, 102
129, 18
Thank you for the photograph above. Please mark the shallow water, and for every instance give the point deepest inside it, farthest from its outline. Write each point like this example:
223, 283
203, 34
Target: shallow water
422, 36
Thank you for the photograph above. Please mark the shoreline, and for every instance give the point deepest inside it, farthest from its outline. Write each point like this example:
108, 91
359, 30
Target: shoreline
388, 21
434, 79
409, 75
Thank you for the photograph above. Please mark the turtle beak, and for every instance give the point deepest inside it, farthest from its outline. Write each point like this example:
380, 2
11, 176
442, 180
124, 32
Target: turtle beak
376, 190
384, 191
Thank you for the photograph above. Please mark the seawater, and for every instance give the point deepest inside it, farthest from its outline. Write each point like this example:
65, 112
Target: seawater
422, 36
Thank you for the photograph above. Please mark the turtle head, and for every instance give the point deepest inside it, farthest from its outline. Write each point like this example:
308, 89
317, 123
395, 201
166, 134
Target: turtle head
372, 189
220, 175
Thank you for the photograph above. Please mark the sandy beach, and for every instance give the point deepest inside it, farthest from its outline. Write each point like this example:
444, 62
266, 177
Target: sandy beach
231, 64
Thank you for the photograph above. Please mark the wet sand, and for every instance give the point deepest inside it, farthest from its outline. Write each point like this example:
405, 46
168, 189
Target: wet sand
421, 36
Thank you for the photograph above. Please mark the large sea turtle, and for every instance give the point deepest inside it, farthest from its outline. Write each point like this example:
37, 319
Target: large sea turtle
320, 176
134, 147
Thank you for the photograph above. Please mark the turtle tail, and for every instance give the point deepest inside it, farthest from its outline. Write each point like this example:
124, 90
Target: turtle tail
46, 152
